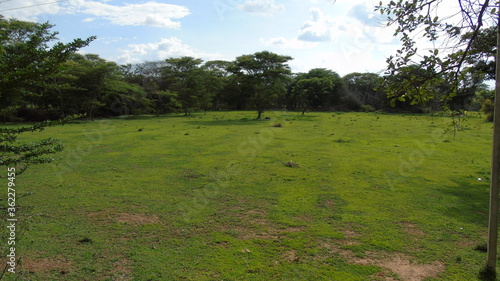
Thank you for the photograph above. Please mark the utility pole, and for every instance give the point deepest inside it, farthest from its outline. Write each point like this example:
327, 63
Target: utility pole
495, 167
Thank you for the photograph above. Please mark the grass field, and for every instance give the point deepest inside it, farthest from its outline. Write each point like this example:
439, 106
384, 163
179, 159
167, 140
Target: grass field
326, 196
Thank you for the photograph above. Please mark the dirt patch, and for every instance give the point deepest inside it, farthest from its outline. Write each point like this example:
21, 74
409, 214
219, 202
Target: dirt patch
347, 242
122, 269
350, 234
127, 218
269, 233
45, 265
408, 271
254, 224
411, 228
399, 264
290, 256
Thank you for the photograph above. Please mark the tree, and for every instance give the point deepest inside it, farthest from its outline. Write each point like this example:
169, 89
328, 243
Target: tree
183, 76
308, 92
263, 76
365, 88
414, 18
328, 98
148, 75
486, 98
481, 56
28, 57
472, 17
215, 80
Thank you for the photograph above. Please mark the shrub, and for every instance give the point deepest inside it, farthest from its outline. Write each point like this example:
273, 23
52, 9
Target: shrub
366, 108
487, 108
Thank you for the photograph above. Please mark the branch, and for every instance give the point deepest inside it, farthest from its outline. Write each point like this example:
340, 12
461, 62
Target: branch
474, 36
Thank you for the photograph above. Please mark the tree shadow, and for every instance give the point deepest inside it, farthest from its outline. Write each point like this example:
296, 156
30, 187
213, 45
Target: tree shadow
146, 117
472, 201
230, 122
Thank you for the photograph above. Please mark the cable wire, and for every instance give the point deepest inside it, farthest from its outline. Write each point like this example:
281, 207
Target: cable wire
18, 8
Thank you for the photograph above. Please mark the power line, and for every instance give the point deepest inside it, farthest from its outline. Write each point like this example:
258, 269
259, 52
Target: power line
18, 8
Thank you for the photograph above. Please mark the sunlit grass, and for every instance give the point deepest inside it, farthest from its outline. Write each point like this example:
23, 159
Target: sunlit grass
210, 197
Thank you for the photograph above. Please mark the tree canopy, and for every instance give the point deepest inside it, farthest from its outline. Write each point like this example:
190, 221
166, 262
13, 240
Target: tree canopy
458, 41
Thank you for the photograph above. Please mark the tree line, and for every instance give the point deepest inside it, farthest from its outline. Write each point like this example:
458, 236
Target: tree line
38, 82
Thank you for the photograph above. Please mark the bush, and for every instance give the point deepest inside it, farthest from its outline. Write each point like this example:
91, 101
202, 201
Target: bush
367, 108
487, 100
487, 108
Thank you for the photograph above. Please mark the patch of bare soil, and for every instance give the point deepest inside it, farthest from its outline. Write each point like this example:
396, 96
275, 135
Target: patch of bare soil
411, 228
254, 224
408, 271
127, 218
399, 264
122, 269
349, 234
290, 256
45, 265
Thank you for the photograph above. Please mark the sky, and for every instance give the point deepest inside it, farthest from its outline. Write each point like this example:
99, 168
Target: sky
345, 35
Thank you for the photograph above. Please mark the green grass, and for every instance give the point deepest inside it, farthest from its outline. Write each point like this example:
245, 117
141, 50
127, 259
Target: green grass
210, 197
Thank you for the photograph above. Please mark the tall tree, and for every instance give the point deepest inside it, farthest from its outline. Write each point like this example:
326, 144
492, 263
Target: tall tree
412, 17
216, 79
183, 76
309, 92
263, 75
329, 97
28, 56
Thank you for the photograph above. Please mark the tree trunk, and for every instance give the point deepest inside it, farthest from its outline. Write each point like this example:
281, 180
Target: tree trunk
495, 169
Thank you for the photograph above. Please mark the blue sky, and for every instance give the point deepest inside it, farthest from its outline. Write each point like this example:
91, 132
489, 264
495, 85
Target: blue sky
342, 35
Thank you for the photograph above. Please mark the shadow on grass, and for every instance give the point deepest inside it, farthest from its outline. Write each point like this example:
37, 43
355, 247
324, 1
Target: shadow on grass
472, 202
300, 117
487, 275
229, 122
147, 117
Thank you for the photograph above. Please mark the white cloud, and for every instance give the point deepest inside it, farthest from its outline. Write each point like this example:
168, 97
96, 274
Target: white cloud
261, 7
160, 50
364, 14
341, 62
148, 14
284, 43
318, 29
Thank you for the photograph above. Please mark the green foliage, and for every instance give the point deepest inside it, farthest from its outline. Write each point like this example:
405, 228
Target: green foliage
22, 156
367, 90
28, 57
263, 76
318, 89
214, 79
310, 93
184, 77
421, 77
486, 99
